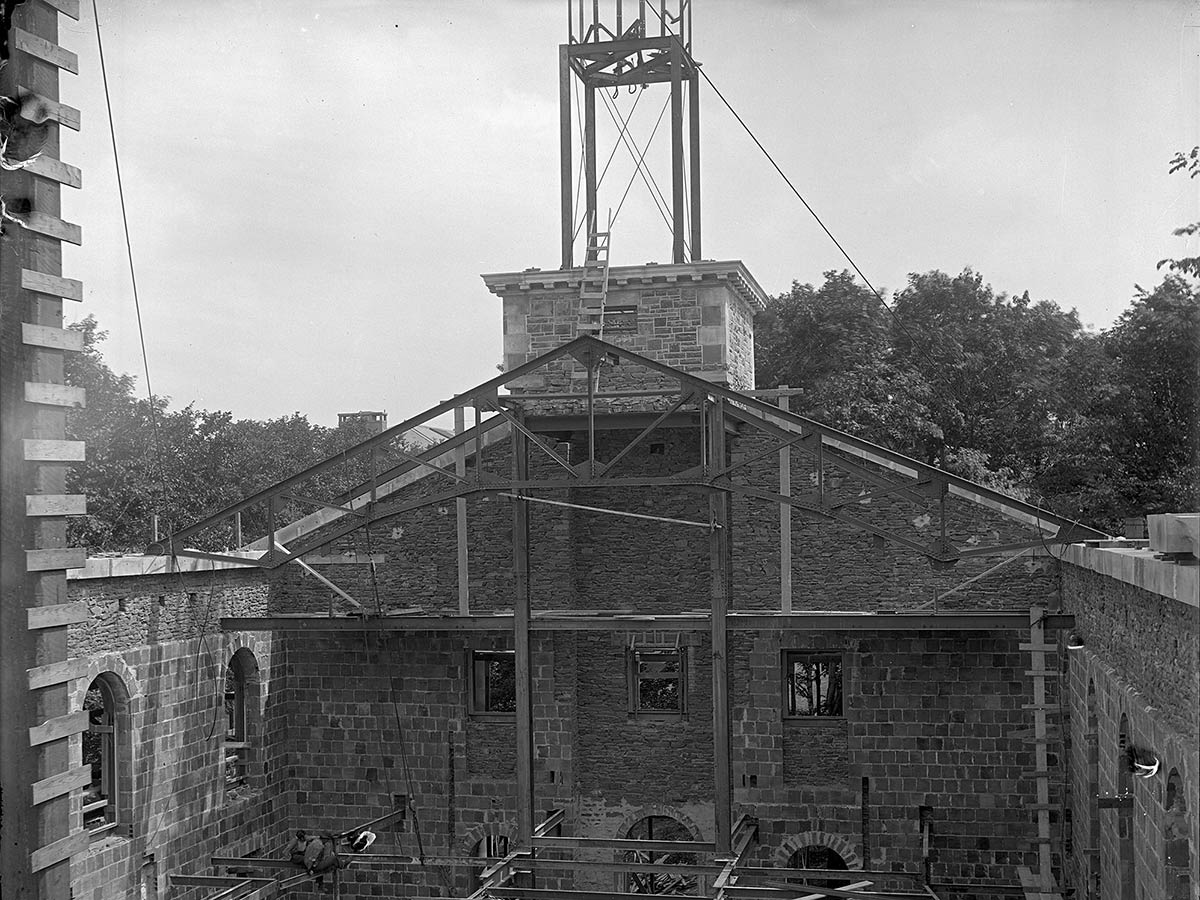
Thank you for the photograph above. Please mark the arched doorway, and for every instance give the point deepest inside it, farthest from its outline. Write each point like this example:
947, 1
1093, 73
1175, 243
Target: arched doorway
818, 856
1177, 851
660, 828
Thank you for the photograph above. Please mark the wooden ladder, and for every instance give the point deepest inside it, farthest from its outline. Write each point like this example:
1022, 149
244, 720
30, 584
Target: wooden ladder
1038, 648
593, 285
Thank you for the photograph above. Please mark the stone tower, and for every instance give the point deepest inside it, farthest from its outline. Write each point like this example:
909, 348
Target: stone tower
692, 314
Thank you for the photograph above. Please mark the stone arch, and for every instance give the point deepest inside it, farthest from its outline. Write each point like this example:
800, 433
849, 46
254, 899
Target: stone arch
659, 883
107, 748
836, 843
112, 665
242, 698
659, 809
497, 827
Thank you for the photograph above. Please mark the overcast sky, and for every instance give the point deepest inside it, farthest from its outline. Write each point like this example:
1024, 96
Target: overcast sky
314, 187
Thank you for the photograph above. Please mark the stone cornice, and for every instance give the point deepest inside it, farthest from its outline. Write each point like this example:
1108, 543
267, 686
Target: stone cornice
732, 273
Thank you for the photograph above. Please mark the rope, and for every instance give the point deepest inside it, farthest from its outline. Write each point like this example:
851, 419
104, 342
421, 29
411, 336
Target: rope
794, 190
154, 422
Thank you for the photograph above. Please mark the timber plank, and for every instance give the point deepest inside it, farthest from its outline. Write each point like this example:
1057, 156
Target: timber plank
51, 338
62, 783
55, 170
52, 109
51, 558
55, 504
53, 285
44, 50
56, 852
66, 7
57, 673
48, 394
57, 615
58, 728
39, 450
53, 226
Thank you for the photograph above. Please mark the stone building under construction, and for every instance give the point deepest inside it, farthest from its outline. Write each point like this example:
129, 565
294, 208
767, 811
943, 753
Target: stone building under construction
634, 628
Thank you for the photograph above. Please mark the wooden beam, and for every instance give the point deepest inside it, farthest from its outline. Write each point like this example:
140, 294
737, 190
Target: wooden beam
44, 50
55, 394
38, 450
66, 7
521, 619
51, 338
57, 615
55, 504
58, 728
57, 673
53, 226
56, 852
53, 286
55, 170
51, 558
62, 783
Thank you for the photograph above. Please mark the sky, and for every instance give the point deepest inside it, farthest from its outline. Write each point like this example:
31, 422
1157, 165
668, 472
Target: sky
314, 186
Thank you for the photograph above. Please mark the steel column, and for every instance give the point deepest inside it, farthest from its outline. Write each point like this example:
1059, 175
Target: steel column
521, 612
564, 151
718, 553
694, 164
677, 213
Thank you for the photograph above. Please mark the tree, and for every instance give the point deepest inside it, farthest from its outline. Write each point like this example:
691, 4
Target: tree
834, 344
1007, 391
1134, 449
1189, 163
180, 465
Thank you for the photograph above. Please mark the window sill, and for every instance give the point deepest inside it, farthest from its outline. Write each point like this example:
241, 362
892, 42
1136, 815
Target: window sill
640, 716
493, 716
105, 837
809, 721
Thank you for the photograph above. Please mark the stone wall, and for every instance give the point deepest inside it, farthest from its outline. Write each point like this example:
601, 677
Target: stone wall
1134, 682
155, 640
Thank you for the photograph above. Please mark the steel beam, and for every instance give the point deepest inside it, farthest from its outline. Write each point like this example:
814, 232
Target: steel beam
813, 621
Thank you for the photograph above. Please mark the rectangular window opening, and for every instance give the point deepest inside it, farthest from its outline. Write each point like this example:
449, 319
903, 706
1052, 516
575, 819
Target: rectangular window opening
657, 680
812, 685
620, 317
493, 681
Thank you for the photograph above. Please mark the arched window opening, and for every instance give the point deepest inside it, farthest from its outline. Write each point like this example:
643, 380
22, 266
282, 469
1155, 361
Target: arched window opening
100, 756
818, 856
1177, 851
1125, 813
1092, 883
660, 828
240, 705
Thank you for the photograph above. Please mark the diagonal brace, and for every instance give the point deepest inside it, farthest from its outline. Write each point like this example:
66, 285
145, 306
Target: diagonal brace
512, 420
684, 397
